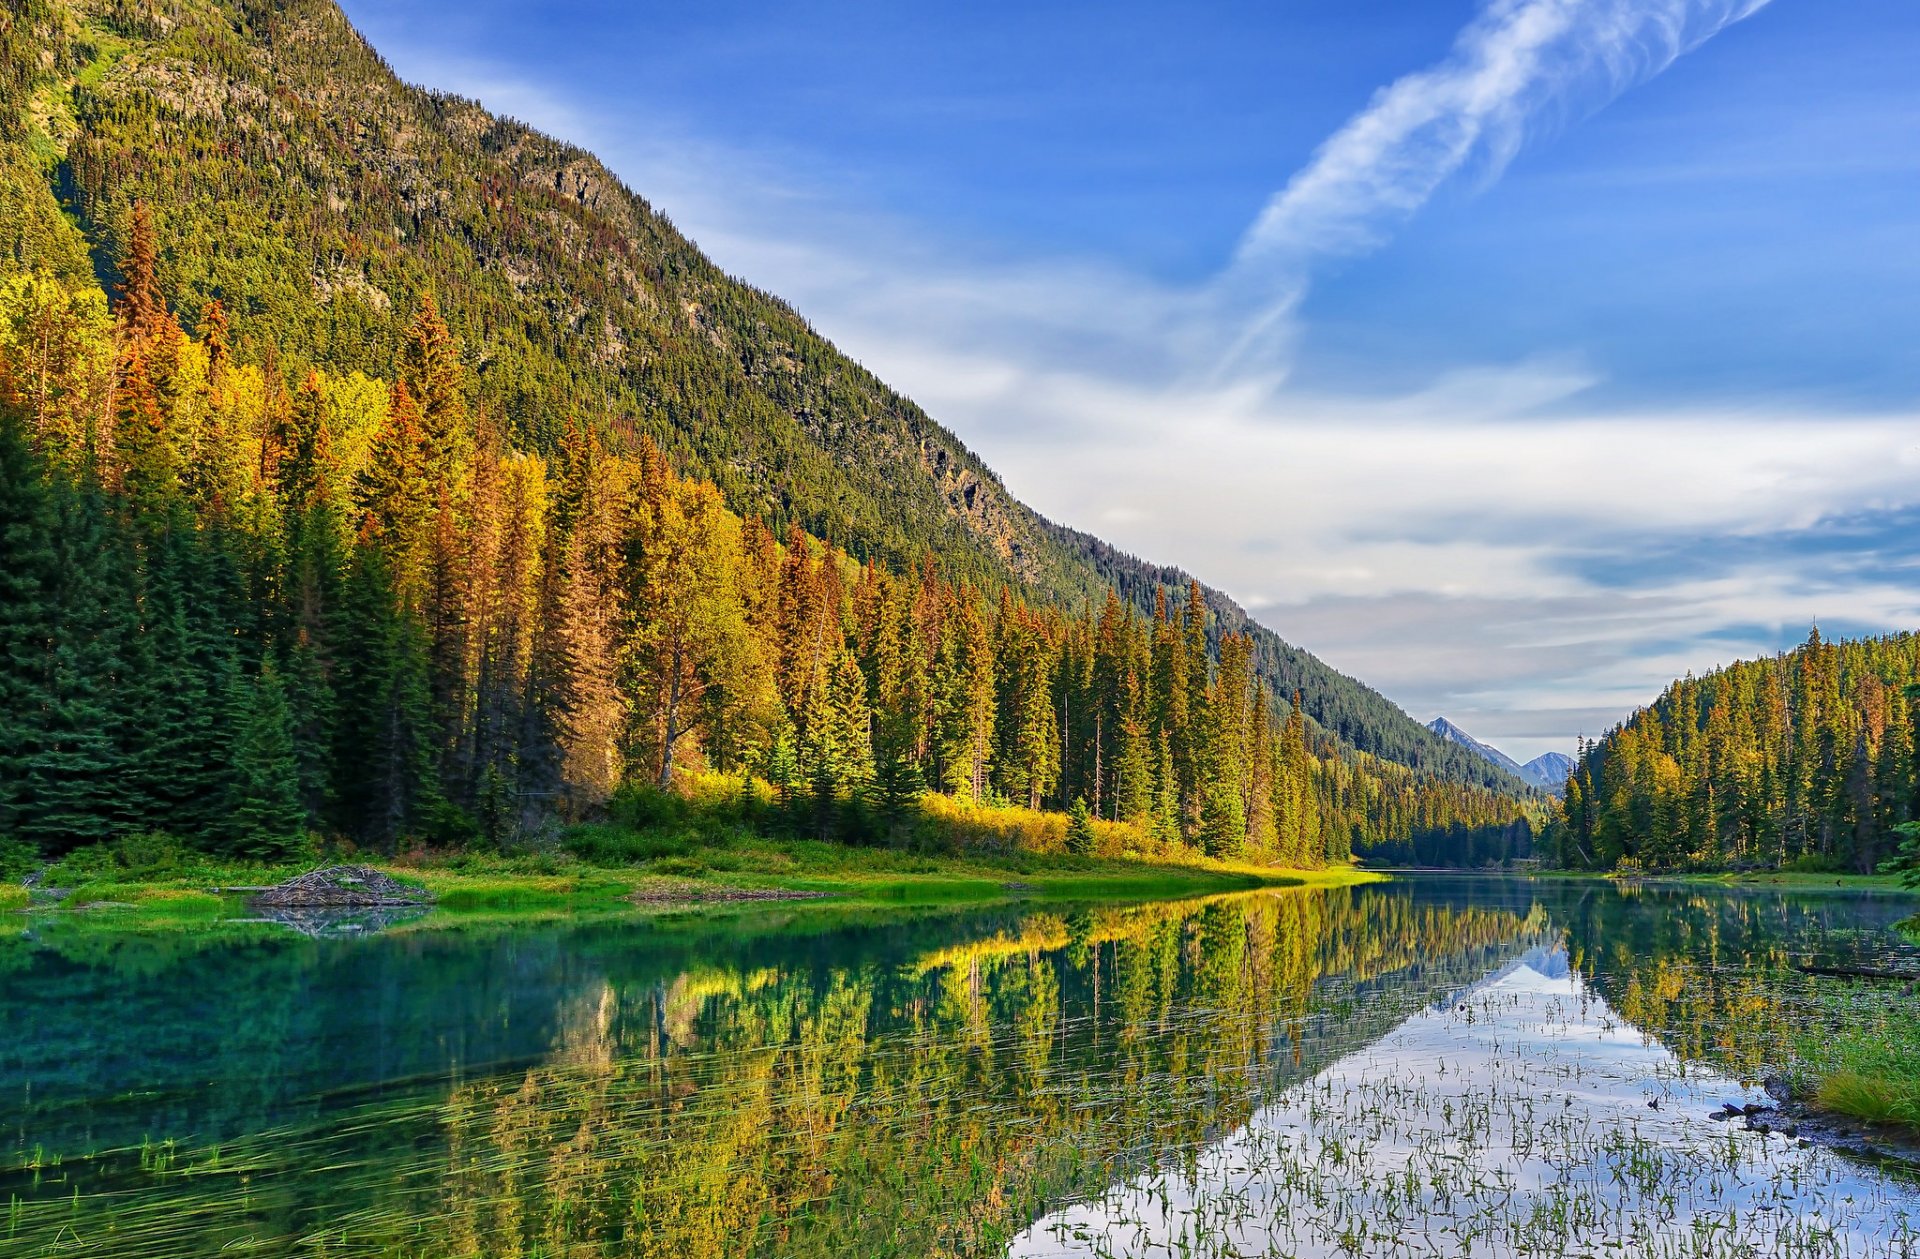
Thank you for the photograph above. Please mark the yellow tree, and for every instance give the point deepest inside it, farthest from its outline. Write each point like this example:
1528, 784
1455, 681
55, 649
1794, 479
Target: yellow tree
687, 649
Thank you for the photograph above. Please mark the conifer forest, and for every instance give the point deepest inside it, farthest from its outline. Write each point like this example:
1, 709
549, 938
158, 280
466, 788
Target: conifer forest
516, 742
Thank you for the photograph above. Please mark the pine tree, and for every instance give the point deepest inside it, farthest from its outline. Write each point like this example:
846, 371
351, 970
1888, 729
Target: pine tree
384, 774
141, 307
1080, 828
264, 813
432, 372
75, 788
147, 466
29, 577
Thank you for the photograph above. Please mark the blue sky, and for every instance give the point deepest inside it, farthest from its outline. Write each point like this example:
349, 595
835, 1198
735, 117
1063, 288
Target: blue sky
1513, 355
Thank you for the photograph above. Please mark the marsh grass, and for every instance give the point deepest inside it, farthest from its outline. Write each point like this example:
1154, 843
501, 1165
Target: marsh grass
1861, 1055
12, 896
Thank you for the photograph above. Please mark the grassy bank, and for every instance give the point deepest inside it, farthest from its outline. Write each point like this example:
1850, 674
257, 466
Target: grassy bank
1860, 1054
157, 883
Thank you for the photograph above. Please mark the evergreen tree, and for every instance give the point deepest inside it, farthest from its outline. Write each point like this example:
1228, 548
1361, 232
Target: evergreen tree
264, 812
29, 576
141, 307
1080, 828
75, 786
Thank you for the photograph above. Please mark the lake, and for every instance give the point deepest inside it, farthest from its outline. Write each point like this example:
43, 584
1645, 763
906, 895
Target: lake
1432, 1066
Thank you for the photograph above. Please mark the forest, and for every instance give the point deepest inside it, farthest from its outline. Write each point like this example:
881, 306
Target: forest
1806, 759
246, 610
296, 180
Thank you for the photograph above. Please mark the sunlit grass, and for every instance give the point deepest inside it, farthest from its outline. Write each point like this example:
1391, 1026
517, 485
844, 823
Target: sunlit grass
12, 896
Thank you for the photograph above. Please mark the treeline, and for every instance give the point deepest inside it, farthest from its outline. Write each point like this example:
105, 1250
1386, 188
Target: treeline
240, 609
1807, 758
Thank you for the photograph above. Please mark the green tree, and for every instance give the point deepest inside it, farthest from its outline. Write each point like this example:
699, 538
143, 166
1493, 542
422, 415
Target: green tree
264, 814
1080, 828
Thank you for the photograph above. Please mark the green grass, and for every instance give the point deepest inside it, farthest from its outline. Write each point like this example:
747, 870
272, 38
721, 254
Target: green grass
1860, 1056
893, 875
12, 896
1798, 878
149, 881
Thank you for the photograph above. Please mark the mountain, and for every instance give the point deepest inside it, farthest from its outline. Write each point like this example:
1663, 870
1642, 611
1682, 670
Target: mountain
1547, 771
320, 199
1454, 734
1550, 770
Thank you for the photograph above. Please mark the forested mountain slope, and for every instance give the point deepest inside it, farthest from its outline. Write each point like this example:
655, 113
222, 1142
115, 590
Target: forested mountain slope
319, 199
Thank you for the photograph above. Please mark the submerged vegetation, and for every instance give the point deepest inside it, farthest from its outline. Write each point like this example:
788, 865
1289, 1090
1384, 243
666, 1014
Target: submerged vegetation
904, 1086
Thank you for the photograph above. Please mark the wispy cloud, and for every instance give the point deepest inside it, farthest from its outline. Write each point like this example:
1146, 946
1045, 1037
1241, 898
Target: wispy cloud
1521, 66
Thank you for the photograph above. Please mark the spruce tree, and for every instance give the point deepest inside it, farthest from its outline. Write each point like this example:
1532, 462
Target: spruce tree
75, 789
29, 576
141, 308
264, 813
1080, 828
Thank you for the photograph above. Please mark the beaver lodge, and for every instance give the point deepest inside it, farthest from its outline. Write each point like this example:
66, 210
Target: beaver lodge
345, 887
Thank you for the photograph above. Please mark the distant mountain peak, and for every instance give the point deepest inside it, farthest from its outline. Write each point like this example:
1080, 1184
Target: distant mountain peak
1547, 771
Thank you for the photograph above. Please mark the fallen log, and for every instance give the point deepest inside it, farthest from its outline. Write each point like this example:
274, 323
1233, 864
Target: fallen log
1858, 972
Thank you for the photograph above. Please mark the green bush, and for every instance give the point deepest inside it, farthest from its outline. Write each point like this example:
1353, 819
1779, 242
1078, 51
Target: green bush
146, 857
605, 844
643, 806
17, 859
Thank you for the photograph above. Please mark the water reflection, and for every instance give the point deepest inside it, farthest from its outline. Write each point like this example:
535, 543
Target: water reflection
1525, 1118
800, 1081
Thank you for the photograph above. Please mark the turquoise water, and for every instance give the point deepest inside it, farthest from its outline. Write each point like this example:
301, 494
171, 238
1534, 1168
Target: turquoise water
1240, 1075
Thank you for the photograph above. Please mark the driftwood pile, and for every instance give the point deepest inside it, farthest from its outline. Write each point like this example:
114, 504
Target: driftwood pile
342, 886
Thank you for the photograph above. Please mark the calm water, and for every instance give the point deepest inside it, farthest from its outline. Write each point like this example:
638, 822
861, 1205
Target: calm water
1445, 1066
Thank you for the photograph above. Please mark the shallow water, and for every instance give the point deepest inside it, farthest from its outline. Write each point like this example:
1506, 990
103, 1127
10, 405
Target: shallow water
1436, 1066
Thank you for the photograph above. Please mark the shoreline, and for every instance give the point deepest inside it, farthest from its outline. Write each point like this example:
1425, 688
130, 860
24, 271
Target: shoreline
1794, 879
464, 888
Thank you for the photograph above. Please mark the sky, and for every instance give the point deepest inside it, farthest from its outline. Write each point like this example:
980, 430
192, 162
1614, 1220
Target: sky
1514, 356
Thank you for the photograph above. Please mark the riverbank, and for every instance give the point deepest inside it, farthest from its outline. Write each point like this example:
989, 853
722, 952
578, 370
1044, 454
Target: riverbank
179, 888
1799, 880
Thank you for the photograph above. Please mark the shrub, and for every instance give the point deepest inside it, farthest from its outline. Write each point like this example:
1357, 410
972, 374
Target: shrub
148, 856
607, 844
643, 806
17, 859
